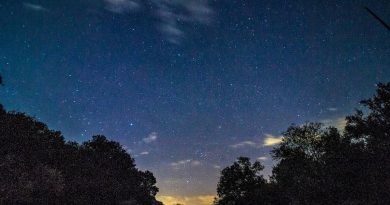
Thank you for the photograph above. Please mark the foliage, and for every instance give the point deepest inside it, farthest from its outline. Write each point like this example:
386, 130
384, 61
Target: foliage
241, 183
38, 167
320, 165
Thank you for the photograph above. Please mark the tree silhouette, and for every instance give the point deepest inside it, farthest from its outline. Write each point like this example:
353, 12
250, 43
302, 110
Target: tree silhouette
38, 167
21, 184
320, 165
105, 173
29, 154
297, 156
310, 163
370, 135
242, 184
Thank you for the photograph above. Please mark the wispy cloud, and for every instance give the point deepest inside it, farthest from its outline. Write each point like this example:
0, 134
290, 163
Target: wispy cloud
191, 162
262, 158
34, 7
187, 200
247, 143
181, 162
216, 167
271, 140
150, 138
121, 6
332, 109
144, 153
173, 15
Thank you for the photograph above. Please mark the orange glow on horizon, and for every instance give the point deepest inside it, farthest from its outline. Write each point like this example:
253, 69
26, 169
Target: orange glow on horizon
186, 200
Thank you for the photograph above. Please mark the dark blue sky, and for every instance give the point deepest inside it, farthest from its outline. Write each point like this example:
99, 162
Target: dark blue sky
189, 85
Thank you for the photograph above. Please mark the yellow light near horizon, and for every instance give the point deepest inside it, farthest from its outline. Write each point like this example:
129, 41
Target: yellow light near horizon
187, 200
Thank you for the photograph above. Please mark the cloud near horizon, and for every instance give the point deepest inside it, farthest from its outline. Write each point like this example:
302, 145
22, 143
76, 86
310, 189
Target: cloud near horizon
191, 162
271, 140
247, 143
150, 138
262, 158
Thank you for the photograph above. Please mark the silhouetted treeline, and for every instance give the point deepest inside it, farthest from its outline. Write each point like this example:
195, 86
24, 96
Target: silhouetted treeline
321, 165
38, 167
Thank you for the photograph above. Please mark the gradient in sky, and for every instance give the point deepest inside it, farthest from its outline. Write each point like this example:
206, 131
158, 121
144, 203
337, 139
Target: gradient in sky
189, 85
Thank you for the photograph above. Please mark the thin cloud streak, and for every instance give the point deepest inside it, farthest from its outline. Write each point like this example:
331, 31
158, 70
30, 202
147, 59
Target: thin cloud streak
181, 162
332, 109
262, 158
246, 144
193, 163
121, 6
34, 7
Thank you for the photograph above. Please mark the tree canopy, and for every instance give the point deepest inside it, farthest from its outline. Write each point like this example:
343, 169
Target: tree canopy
322, 165
241, 184
37, 166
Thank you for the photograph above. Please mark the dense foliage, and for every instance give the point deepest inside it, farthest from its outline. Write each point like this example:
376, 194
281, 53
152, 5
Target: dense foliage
38, 167
320, 165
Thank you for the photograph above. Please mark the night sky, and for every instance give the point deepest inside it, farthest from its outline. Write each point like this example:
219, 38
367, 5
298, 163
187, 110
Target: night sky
189, 85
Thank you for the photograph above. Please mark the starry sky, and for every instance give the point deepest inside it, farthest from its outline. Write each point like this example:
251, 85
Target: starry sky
189, 85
